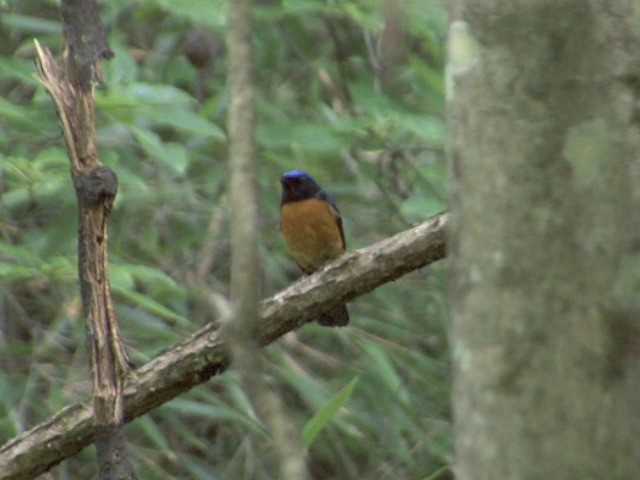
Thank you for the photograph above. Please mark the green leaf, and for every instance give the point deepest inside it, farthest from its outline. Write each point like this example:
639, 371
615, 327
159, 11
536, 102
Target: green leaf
25, 23
122, 70
172, 155
387, 372
152, 306
310, 137
153, 432
53, 158
19, 255
19, 114
120, 278
439, 473
9, 271
189, 122
17, 68
202, 12
420, 207
304, 7
156, 94
326, 413
217, 412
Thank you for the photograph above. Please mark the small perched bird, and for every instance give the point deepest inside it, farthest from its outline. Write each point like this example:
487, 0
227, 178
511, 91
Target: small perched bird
312, 227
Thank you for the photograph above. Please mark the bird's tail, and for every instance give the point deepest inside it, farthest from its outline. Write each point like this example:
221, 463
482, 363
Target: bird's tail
336, 317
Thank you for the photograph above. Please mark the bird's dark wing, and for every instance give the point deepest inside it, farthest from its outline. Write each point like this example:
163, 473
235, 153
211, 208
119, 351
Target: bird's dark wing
322, 195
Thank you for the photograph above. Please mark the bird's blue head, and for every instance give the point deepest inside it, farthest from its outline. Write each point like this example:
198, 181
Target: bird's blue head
298, 185
295, 174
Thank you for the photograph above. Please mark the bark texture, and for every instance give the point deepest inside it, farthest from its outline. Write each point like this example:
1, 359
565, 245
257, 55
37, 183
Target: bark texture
71, 87
545, 238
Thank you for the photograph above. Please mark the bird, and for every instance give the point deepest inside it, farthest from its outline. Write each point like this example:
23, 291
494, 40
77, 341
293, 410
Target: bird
311, 225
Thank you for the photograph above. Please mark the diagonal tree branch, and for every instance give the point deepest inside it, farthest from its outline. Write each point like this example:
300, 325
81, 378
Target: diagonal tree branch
204, 354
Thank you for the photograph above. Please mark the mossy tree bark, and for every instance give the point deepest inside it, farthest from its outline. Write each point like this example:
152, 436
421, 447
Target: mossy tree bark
545, 238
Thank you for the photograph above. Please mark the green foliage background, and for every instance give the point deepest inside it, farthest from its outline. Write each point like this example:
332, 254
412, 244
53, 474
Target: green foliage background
376, 143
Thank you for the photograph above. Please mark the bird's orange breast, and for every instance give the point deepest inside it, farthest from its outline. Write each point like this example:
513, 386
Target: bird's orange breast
312, 233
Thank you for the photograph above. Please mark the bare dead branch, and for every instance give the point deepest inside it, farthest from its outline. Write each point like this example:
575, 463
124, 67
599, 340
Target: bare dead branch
71, 87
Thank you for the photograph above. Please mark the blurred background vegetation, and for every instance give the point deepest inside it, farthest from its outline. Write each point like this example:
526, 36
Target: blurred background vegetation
351, 91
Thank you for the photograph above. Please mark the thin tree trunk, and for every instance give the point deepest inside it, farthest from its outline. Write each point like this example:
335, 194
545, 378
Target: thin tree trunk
244, 327
545, 239
70, 84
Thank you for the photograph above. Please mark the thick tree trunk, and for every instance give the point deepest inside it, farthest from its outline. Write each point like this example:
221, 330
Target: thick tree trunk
543, 99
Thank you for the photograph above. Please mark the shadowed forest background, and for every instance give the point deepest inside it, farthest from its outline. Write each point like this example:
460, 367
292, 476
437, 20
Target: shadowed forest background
351, 92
